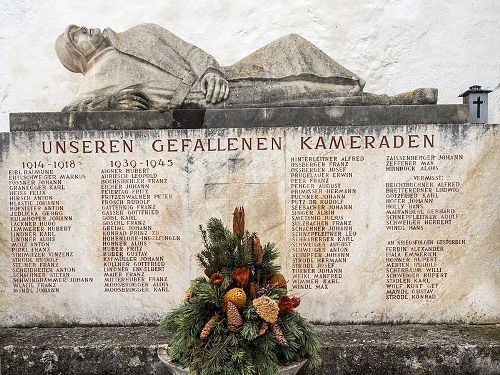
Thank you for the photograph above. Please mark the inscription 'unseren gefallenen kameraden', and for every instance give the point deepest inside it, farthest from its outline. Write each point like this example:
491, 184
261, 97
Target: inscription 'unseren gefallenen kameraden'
240, 144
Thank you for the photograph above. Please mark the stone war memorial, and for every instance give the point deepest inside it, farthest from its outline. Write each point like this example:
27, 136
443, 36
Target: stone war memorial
384, 210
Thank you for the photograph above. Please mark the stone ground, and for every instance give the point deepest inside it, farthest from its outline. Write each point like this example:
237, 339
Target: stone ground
348, 349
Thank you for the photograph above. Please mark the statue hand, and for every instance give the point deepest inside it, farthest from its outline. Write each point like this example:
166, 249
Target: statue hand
215, 87
129, 99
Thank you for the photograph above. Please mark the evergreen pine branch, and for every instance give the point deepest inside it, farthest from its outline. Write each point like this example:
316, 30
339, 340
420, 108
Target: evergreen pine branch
269, 267
204, 292
300, 332
216, 230
249, 329
274, 292
226, 272
230, 254
266, 360
203, 259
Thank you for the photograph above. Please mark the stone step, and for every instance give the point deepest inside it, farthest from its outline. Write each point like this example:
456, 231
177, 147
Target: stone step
348, 349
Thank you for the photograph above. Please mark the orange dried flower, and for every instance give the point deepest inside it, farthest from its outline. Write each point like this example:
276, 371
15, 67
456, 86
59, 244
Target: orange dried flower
217, 278
241, 276
239, 222
285, 304
278, 280
258, 252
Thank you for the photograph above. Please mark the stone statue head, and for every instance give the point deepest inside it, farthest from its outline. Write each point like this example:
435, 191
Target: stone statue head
77, 45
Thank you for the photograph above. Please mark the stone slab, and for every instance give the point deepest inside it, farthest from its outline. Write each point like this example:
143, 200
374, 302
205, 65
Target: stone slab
347, 349
245, 117
375, 223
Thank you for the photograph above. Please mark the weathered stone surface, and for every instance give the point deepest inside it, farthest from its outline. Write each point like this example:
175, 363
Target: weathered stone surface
148, 67
359, 349
246, 117
375, 224
79, 350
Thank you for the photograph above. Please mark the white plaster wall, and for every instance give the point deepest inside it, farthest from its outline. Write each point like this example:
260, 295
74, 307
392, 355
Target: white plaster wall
395, 45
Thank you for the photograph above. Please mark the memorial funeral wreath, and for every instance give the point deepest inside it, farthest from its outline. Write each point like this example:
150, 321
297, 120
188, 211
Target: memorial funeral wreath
238, 319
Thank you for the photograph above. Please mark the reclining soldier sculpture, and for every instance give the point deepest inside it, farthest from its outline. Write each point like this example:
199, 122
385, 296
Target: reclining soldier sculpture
149, 68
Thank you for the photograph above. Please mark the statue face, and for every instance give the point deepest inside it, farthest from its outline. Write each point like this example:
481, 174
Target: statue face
86, 40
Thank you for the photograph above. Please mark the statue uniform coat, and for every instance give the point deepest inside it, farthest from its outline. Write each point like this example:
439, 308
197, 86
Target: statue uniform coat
150, 62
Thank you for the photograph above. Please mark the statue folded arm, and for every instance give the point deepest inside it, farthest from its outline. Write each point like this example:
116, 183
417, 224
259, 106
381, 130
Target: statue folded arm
203, 65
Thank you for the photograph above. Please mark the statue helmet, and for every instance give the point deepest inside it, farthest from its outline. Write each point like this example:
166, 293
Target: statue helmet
68, 53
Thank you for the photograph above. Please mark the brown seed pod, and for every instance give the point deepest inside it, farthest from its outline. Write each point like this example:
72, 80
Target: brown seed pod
239, 222
258, 252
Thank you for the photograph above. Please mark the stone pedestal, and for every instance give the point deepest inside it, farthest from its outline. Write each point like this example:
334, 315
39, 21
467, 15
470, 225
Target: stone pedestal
381, 222
347, 349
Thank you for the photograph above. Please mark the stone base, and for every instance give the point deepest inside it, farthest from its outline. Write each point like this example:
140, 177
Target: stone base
243, 117
348, 349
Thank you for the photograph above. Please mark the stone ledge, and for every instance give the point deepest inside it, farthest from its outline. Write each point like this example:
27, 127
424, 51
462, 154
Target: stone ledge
348, 349
243, 117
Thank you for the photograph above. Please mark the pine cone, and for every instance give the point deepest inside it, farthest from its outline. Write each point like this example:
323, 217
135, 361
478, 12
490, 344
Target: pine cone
258, 252
278, 333
266, 308
234, 319
239, 222
262, 328
208, 327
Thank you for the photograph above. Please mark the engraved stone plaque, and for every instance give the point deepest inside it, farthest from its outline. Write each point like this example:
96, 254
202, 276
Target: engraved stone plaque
374, 223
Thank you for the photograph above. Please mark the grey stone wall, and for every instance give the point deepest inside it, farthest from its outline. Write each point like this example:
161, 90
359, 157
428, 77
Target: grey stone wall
359, 349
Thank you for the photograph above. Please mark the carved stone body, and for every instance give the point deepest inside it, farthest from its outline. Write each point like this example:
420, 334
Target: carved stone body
148, 67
